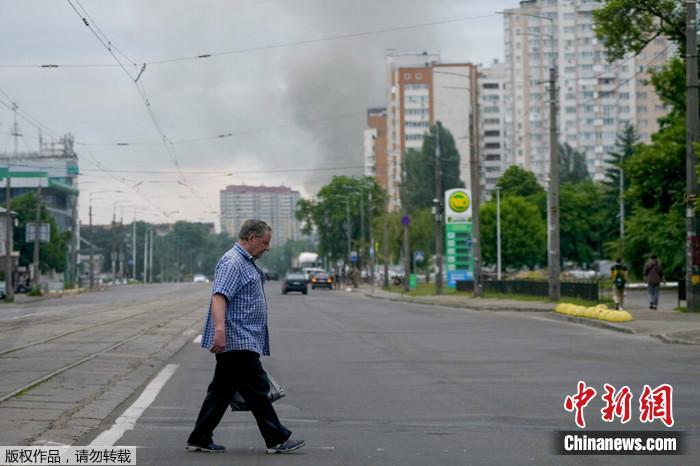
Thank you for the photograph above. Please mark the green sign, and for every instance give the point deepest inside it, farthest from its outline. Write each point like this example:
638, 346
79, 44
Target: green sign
412, 281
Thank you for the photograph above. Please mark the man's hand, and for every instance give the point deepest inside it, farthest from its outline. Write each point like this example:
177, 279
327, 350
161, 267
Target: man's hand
218, 311
219, 341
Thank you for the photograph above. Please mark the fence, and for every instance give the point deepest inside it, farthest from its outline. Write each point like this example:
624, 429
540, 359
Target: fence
583, 290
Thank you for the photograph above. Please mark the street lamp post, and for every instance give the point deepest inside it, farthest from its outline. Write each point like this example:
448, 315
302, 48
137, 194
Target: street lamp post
498, 232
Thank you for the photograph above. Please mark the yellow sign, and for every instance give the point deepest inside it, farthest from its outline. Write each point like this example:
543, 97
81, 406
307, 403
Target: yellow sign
459, 202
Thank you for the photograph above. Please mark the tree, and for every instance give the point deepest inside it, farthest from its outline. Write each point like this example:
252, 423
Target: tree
517, 181
626, 26
572, 165
420, 169
523, 233
580, 221
52, 255
656, 172
656, 175
328, 214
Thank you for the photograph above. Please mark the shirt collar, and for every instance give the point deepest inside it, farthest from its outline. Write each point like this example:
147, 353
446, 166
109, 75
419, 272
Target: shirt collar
241, 250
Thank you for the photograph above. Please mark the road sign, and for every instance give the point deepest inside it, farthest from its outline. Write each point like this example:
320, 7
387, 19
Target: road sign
419, 257
44, 232
406, 220
353, 256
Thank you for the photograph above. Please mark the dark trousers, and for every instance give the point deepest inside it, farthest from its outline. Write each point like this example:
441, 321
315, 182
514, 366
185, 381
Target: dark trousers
242, 371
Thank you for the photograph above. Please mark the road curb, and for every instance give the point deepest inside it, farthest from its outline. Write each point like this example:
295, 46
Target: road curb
592, 323
670, 339
470, 306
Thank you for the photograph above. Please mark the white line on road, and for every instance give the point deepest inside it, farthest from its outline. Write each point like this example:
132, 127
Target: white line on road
197, 340
127, 421
23, 316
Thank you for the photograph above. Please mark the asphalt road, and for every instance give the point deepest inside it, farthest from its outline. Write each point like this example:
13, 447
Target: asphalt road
375, 382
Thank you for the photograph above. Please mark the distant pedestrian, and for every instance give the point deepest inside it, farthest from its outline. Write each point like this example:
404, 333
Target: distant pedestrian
236, 332
653, 276
618, 272
336, 279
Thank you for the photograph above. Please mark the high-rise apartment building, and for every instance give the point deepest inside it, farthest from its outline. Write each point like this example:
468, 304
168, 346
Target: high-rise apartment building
421, 92
275, 205
493, 140
595, 99
375, 146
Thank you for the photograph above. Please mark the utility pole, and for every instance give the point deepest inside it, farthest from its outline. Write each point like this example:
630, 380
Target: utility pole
113, 255
121, 254
437, 203
372, 252
553, 256
405, 221
347, 220
498, 232
9, 282
92, 248
385, 244
362, 228
133, 248
692, 272
150, 254
37, 243
475, 177
145, 254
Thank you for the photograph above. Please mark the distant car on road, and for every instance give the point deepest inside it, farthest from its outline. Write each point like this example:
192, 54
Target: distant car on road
2, 290
271, 275
200, 278
294, 281
322, 280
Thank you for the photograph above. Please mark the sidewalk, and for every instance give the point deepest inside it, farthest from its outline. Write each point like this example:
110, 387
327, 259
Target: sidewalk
665, 324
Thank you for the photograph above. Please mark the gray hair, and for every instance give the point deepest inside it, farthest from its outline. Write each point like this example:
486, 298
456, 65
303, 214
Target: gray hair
253, 227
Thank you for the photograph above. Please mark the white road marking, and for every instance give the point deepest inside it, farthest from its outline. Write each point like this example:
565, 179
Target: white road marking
127, 421
23, 316
197, 340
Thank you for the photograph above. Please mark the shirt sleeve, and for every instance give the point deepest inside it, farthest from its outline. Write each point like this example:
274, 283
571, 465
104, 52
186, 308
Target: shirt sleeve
227, 279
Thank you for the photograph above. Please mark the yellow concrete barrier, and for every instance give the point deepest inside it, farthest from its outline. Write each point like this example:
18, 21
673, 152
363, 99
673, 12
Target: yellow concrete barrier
600, 312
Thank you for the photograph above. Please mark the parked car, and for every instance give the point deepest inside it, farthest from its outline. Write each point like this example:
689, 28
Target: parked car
271, 275
322, 280
2, 290
294, 281
200, 278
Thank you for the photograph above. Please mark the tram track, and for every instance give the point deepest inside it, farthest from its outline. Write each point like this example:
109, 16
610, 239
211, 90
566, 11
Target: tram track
149, 310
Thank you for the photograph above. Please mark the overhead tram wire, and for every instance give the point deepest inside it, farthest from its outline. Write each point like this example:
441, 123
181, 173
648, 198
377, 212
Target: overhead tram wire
90, 157
230, 133
351, 35
107, 44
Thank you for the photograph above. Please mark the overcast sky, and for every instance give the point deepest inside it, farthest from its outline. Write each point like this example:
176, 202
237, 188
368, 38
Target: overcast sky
296, 112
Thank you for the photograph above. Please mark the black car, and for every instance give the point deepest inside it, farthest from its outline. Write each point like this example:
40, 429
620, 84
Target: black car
322, 280
294, 281
271, 275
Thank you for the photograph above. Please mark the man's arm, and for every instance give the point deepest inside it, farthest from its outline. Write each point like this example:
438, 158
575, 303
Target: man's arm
218, 313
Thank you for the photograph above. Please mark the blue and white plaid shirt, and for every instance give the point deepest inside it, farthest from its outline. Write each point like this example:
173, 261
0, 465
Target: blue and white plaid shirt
241, 282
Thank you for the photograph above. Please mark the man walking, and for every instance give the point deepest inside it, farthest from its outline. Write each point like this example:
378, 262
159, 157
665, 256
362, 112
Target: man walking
653, 276
236, 332
618, 272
